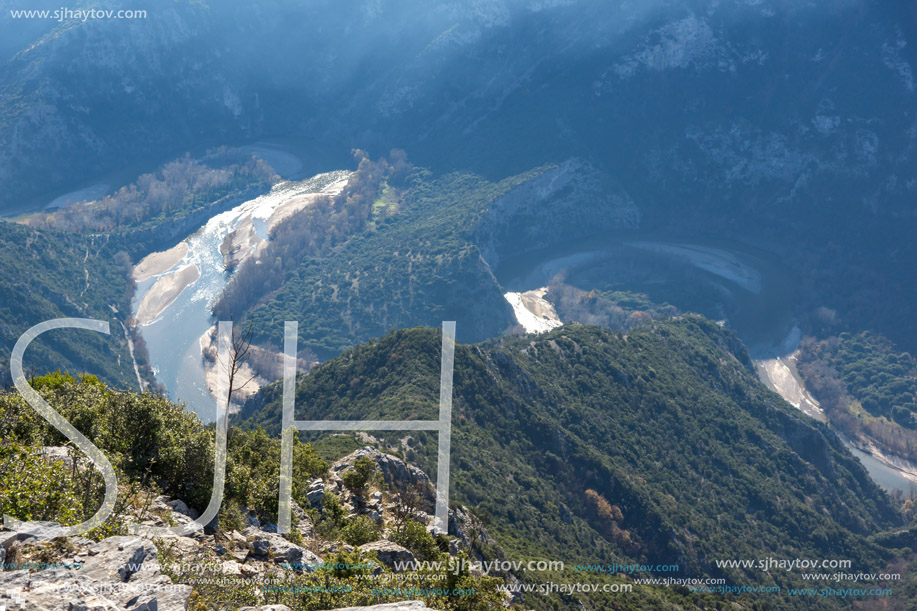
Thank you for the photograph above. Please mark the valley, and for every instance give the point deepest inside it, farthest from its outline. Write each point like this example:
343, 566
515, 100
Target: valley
676, 239
746, 288
175, 328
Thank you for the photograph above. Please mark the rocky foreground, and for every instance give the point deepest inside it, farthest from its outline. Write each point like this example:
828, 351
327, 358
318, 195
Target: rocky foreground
129, 573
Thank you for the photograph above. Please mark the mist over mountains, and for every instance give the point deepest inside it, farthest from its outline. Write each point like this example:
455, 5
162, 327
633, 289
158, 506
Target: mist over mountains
639, 214
783, 96
791, 125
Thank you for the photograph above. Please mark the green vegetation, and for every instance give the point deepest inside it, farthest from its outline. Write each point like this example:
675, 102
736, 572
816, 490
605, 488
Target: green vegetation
582, 445
150, 442
359, 530
316, 230
180, 188
332, 447
657, 446
400, 254
77, 261
48, 274
364, 469
866, 386
415, 537
610, 308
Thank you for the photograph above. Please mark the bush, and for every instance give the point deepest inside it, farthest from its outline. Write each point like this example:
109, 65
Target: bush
145, 436
359, 530
415, 537
364, 469
36, 489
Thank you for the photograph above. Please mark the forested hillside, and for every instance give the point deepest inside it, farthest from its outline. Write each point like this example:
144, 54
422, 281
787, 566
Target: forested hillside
867, 387
401, 246
665, 424
167, 205
46, 274
351, 518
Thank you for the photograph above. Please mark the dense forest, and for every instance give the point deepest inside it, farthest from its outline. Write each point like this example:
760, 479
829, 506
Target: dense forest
654, 445
866, 386
177, 189
371, 195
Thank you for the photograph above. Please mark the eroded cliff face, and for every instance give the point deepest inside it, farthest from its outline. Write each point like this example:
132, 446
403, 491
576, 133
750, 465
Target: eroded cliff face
565, 202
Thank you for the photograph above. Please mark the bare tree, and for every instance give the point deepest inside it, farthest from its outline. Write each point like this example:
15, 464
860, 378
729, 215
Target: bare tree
407, 507
239, 350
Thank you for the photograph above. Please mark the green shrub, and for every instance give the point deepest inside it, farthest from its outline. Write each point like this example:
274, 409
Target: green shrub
364, 469
145, 436
36, 489
359, 530
415, 537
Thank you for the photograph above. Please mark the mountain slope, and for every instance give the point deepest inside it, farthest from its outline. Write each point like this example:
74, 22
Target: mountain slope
427, 253
784, 124
48, 274
667, 423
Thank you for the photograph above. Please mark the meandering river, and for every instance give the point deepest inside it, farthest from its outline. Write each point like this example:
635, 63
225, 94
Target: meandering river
744, 287
182, 316
739, 285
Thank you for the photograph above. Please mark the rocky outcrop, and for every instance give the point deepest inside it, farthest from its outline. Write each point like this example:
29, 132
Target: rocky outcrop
275, 548
390, 554
407, 605
468, 528
114, 574
132, 573
395, 473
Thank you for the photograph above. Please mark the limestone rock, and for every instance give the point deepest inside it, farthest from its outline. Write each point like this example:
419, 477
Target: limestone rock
406, 605
179, 506
395, 472
118, 573
274, 547
389, 554
316, 492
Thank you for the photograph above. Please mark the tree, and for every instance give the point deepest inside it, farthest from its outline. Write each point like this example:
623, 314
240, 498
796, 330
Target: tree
239, 349
356, 479
407, 507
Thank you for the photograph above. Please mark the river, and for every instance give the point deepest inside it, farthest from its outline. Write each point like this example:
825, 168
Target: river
173, 336
731, 282
727, 281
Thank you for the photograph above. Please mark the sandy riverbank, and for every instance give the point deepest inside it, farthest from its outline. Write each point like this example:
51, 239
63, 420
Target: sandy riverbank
533, 311
160, 262
779, 373
296, 204
244, 242
164, 292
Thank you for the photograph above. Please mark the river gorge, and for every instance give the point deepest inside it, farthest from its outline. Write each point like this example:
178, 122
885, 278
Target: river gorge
742, 287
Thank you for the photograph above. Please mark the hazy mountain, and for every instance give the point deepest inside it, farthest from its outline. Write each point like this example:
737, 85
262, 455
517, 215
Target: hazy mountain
790, 125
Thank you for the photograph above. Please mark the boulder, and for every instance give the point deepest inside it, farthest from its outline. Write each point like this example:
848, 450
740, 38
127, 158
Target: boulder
31, 532
406, 605
304, 524
179, 506
395, 472
60, 454
118, 573
231, 568
316, 492
274, 547
389, 554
